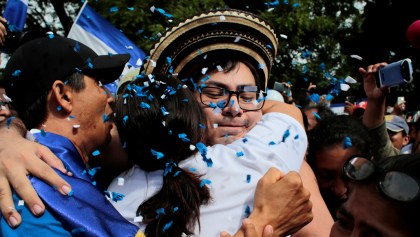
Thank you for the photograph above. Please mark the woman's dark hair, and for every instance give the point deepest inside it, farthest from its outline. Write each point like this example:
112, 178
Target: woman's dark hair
212, 61
408, 164
37, 112
164, 118
333, 130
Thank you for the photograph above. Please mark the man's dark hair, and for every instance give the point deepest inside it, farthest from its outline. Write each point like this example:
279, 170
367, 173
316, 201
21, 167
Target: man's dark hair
37, 113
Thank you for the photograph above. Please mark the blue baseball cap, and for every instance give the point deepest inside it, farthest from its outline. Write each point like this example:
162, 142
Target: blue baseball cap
396, 124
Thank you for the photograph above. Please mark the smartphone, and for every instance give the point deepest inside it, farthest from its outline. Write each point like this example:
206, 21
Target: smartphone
395, 74
280, 87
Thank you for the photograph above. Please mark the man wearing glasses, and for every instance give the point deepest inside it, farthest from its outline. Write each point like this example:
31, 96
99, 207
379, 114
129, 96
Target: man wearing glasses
384, 197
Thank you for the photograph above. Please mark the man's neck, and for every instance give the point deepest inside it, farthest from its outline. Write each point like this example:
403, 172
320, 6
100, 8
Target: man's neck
65, 128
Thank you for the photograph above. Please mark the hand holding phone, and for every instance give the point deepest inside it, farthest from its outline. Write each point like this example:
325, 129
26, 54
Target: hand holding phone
395, 74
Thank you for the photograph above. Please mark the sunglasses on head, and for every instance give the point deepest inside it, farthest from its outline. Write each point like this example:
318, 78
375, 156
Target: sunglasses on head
396, 185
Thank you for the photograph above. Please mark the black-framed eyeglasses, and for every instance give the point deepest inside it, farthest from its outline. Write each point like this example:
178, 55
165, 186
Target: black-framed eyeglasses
249, 97
396, 185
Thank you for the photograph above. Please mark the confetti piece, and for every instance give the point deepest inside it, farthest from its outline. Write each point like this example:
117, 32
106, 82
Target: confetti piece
350, 80
71, 193
201, 148
347, 143
286, 134
245, 140
344, 87
16, 73
76, 126
316, 115
204, 182
283, 36
315, 98
115, 197
355, 56
144, 105
167, 226
239, 153
161, 11
175, 209
159, 155
296, 137
138, 219
192, 169
9, 121
105, 118
183, 137
113, 9
21, 203
164, 112
59, 108
329, 97
120, 181
248, 178
271, 143
247, 211
237, 39
43, 133
130, 8
96, 153
212, 105
7, 98
184, 100
272, 4
125, 118
160, 212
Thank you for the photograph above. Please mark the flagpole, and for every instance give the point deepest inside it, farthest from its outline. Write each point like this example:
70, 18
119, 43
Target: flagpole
77, 17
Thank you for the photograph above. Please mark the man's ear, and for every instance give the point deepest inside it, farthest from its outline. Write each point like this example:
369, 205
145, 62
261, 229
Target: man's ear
63, 95
406, 140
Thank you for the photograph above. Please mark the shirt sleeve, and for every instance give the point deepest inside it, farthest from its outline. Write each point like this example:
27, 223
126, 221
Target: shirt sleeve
42, 226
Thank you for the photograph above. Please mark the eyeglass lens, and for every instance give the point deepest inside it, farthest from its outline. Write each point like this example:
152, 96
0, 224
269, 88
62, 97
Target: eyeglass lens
218, 96
358, 168
400, 186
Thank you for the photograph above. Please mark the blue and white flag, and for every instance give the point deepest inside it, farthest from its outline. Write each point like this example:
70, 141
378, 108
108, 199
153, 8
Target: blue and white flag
15, 14
93, 30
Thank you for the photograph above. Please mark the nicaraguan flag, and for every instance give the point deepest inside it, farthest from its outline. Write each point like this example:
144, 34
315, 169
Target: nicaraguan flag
15, 14
93, 30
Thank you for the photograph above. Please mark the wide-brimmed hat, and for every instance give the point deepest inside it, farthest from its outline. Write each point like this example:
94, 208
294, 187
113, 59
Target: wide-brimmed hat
225, 32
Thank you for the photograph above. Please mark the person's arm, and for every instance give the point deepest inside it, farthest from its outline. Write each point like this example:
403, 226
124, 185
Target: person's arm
19, 157
375, 108
322, 221
271, 106
373, 118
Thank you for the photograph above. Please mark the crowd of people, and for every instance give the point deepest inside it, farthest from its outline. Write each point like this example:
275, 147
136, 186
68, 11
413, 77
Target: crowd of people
191, 145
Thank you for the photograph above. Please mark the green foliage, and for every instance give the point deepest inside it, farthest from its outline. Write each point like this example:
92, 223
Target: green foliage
316, 32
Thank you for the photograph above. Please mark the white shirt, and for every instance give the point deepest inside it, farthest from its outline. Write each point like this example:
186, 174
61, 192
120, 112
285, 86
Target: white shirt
233, 176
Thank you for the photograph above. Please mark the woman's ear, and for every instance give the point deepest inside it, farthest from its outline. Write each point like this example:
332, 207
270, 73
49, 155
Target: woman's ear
63, 95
